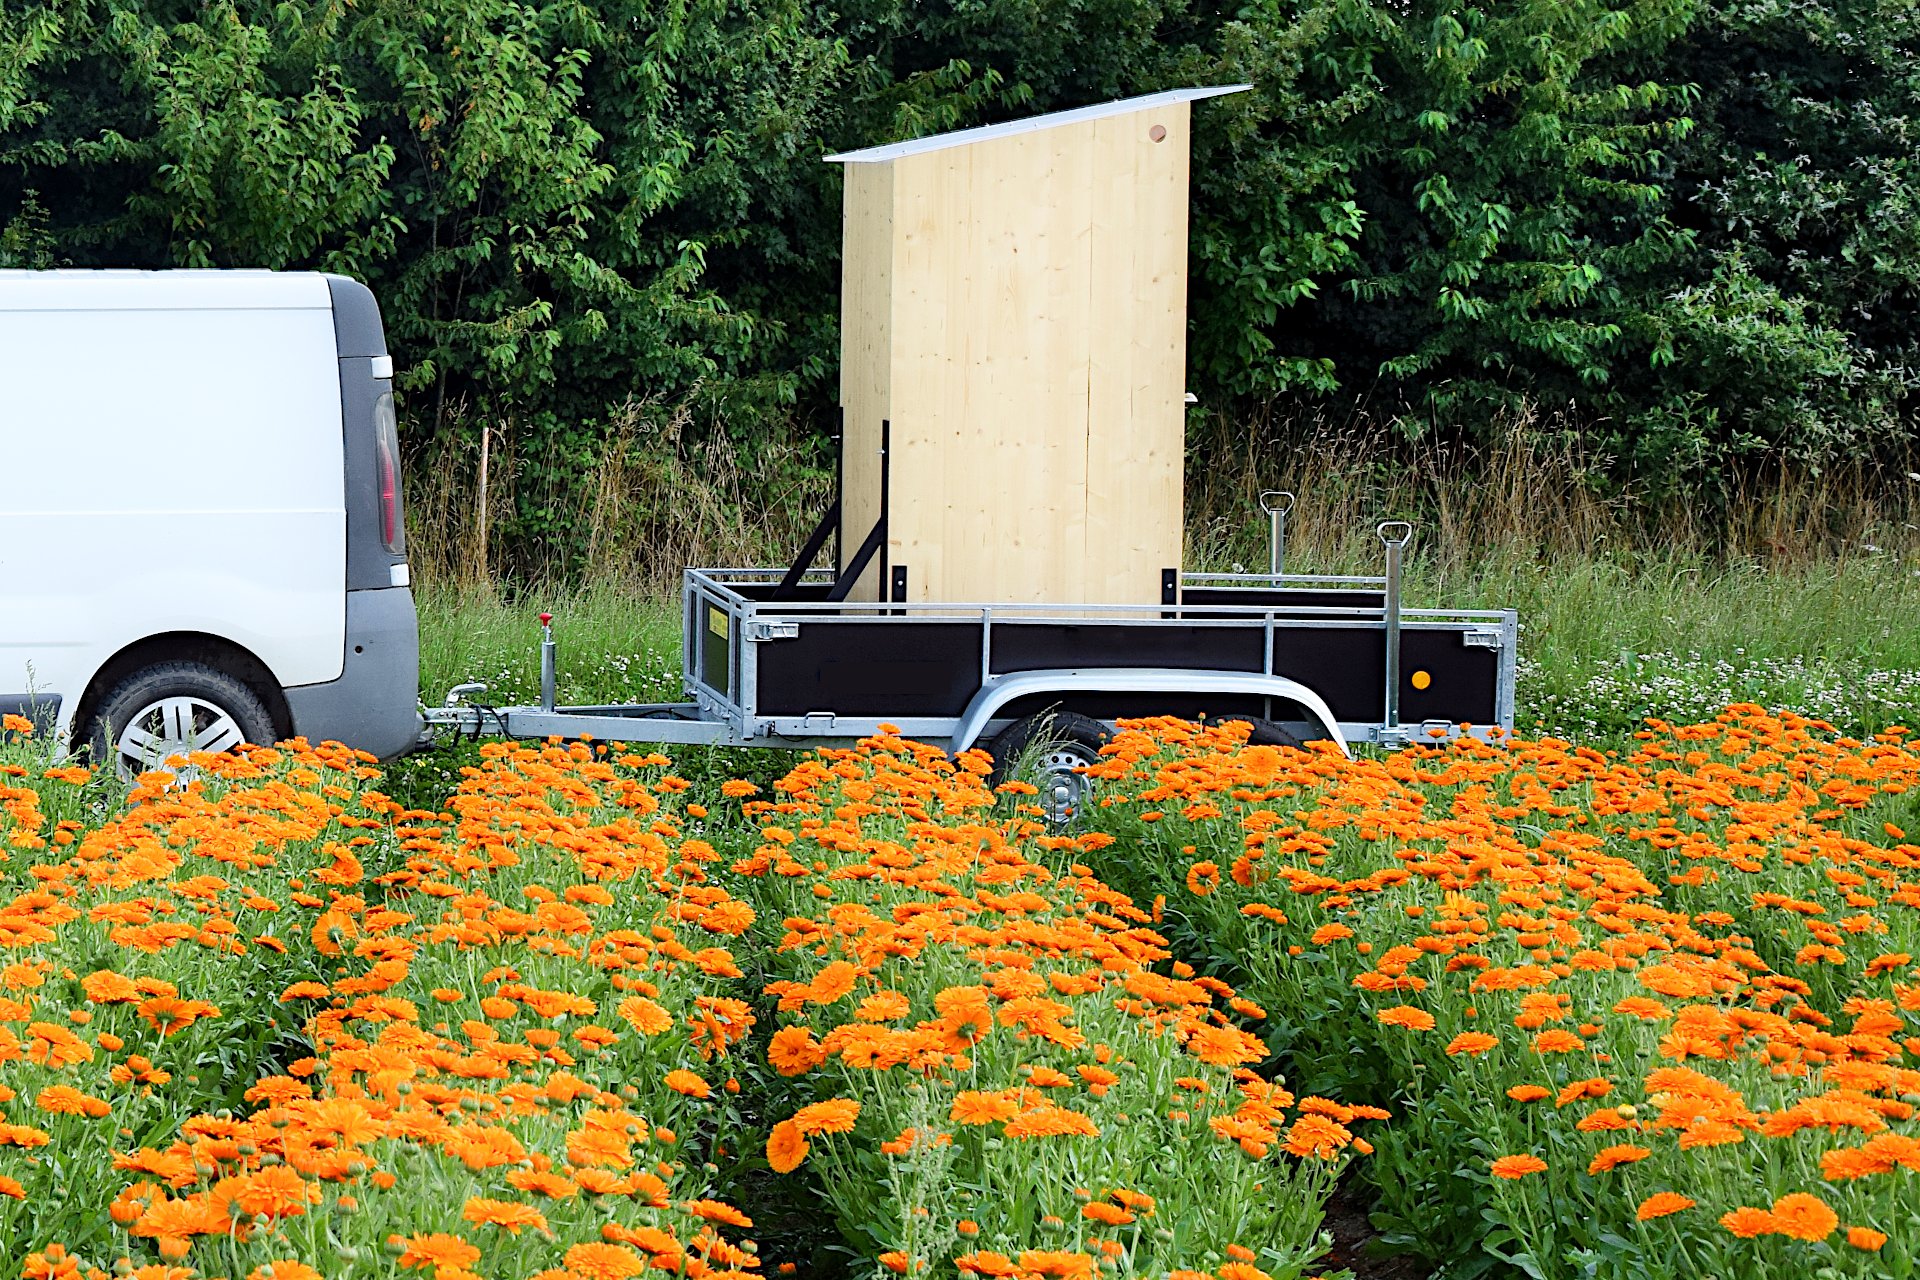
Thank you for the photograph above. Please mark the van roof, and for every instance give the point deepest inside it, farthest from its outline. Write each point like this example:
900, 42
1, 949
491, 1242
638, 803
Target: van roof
121, 290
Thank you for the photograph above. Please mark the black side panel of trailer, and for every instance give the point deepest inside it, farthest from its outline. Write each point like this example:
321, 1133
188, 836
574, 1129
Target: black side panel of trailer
1282, 600
877, 667
1345, 665
1464, 683
1039, 646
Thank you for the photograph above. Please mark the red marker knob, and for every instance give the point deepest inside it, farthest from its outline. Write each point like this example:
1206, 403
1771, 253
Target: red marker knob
545, 618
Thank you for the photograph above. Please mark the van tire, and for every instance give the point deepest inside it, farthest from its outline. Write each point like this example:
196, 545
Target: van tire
161, 698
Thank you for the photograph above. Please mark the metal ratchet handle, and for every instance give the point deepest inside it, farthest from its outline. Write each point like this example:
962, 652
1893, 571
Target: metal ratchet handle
1277, 507
1395, 533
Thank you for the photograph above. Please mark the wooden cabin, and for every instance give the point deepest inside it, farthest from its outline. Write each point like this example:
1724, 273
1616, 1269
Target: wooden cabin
1013, 357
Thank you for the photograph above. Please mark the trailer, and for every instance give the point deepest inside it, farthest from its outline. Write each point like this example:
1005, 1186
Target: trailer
771, 658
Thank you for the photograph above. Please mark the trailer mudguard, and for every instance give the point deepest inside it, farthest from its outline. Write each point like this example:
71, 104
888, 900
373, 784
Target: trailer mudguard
1000, 690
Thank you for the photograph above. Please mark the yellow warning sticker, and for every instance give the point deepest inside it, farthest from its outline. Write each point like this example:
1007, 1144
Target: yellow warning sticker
717, 621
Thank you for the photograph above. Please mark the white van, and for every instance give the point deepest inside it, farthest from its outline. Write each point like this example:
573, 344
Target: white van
201, 536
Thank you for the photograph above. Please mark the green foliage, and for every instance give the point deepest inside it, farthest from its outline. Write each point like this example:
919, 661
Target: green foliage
1690, 223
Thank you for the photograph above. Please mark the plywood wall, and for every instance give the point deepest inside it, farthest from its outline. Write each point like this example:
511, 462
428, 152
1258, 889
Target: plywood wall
866, 309
1016, 309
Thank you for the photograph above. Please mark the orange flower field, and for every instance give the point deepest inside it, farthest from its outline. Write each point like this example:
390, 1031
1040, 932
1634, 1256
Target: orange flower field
1549, 1010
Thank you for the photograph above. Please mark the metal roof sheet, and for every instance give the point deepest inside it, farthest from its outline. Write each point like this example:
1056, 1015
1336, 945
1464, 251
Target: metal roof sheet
987, 133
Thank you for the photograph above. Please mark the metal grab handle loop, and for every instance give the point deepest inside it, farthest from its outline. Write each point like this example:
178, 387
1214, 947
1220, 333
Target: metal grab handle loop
1276, 507
1395, 533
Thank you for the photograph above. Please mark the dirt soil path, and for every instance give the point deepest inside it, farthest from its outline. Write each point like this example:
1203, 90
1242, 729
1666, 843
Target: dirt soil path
1347, 1221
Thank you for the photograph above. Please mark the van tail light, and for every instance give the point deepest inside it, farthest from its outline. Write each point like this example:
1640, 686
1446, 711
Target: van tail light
386, 463
389, 498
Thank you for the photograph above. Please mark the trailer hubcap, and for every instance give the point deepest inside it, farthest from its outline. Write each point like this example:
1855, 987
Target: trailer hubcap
173, 727
1063, 788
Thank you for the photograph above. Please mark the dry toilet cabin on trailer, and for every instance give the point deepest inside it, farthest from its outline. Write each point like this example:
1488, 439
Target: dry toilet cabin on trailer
1013, 358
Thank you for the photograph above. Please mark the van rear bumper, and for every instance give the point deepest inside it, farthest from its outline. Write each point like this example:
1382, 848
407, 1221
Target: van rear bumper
375, 704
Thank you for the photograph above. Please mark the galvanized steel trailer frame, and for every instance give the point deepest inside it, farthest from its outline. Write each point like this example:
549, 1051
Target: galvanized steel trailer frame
769, 660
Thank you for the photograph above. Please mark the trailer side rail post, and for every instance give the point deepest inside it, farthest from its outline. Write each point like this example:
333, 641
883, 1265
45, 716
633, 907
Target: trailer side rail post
1266, 658
549, 663
986, 643
687, 637
746, 663
1394, 535
1507, 688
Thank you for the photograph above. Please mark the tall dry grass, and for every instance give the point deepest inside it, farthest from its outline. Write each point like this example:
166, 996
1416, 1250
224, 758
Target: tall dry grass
655, 495
1527, 489
651, 497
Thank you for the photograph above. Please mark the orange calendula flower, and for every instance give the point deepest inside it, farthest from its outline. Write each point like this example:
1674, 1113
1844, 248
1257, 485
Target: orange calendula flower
285, 1269
1748, 1222
104, 986
1804, 1217
596, 1260
717, 1211
972, 1107
1317, 1136
1225, 1046
1473, 1043
1519, 1166
793, 1051
437, 1249
1615, 1156
1662, 1204
1556, 1040
646, 1017
786, 1147
1242, 1271
1406, 1016
686, 1082
1866, 1238
509, 1215
835, 1115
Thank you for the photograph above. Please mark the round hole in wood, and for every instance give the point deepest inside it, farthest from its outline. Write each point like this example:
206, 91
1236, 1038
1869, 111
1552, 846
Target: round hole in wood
1158, 133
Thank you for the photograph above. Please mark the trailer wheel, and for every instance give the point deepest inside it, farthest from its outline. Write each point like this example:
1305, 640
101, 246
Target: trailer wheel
1049, 750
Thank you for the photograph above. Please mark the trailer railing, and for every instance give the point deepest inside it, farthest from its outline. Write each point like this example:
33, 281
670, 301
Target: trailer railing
731, 615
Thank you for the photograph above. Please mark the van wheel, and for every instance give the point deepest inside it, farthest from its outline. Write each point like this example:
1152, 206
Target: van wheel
172, 708
1049, 750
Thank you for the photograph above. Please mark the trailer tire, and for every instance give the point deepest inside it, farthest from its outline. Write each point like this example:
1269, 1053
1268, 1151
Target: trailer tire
1047, 750
1268, 734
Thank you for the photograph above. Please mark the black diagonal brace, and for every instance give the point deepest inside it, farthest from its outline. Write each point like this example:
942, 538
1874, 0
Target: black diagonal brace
811, 551
858, 565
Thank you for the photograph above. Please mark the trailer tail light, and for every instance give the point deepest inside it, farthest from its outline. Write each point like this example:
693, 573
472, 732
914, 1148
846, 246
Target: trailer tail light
386, 461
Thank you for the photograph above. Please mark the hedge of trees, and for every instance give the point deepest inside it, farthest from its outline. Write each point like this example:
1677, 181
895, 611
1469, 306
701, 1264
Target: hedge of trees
1692, 223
